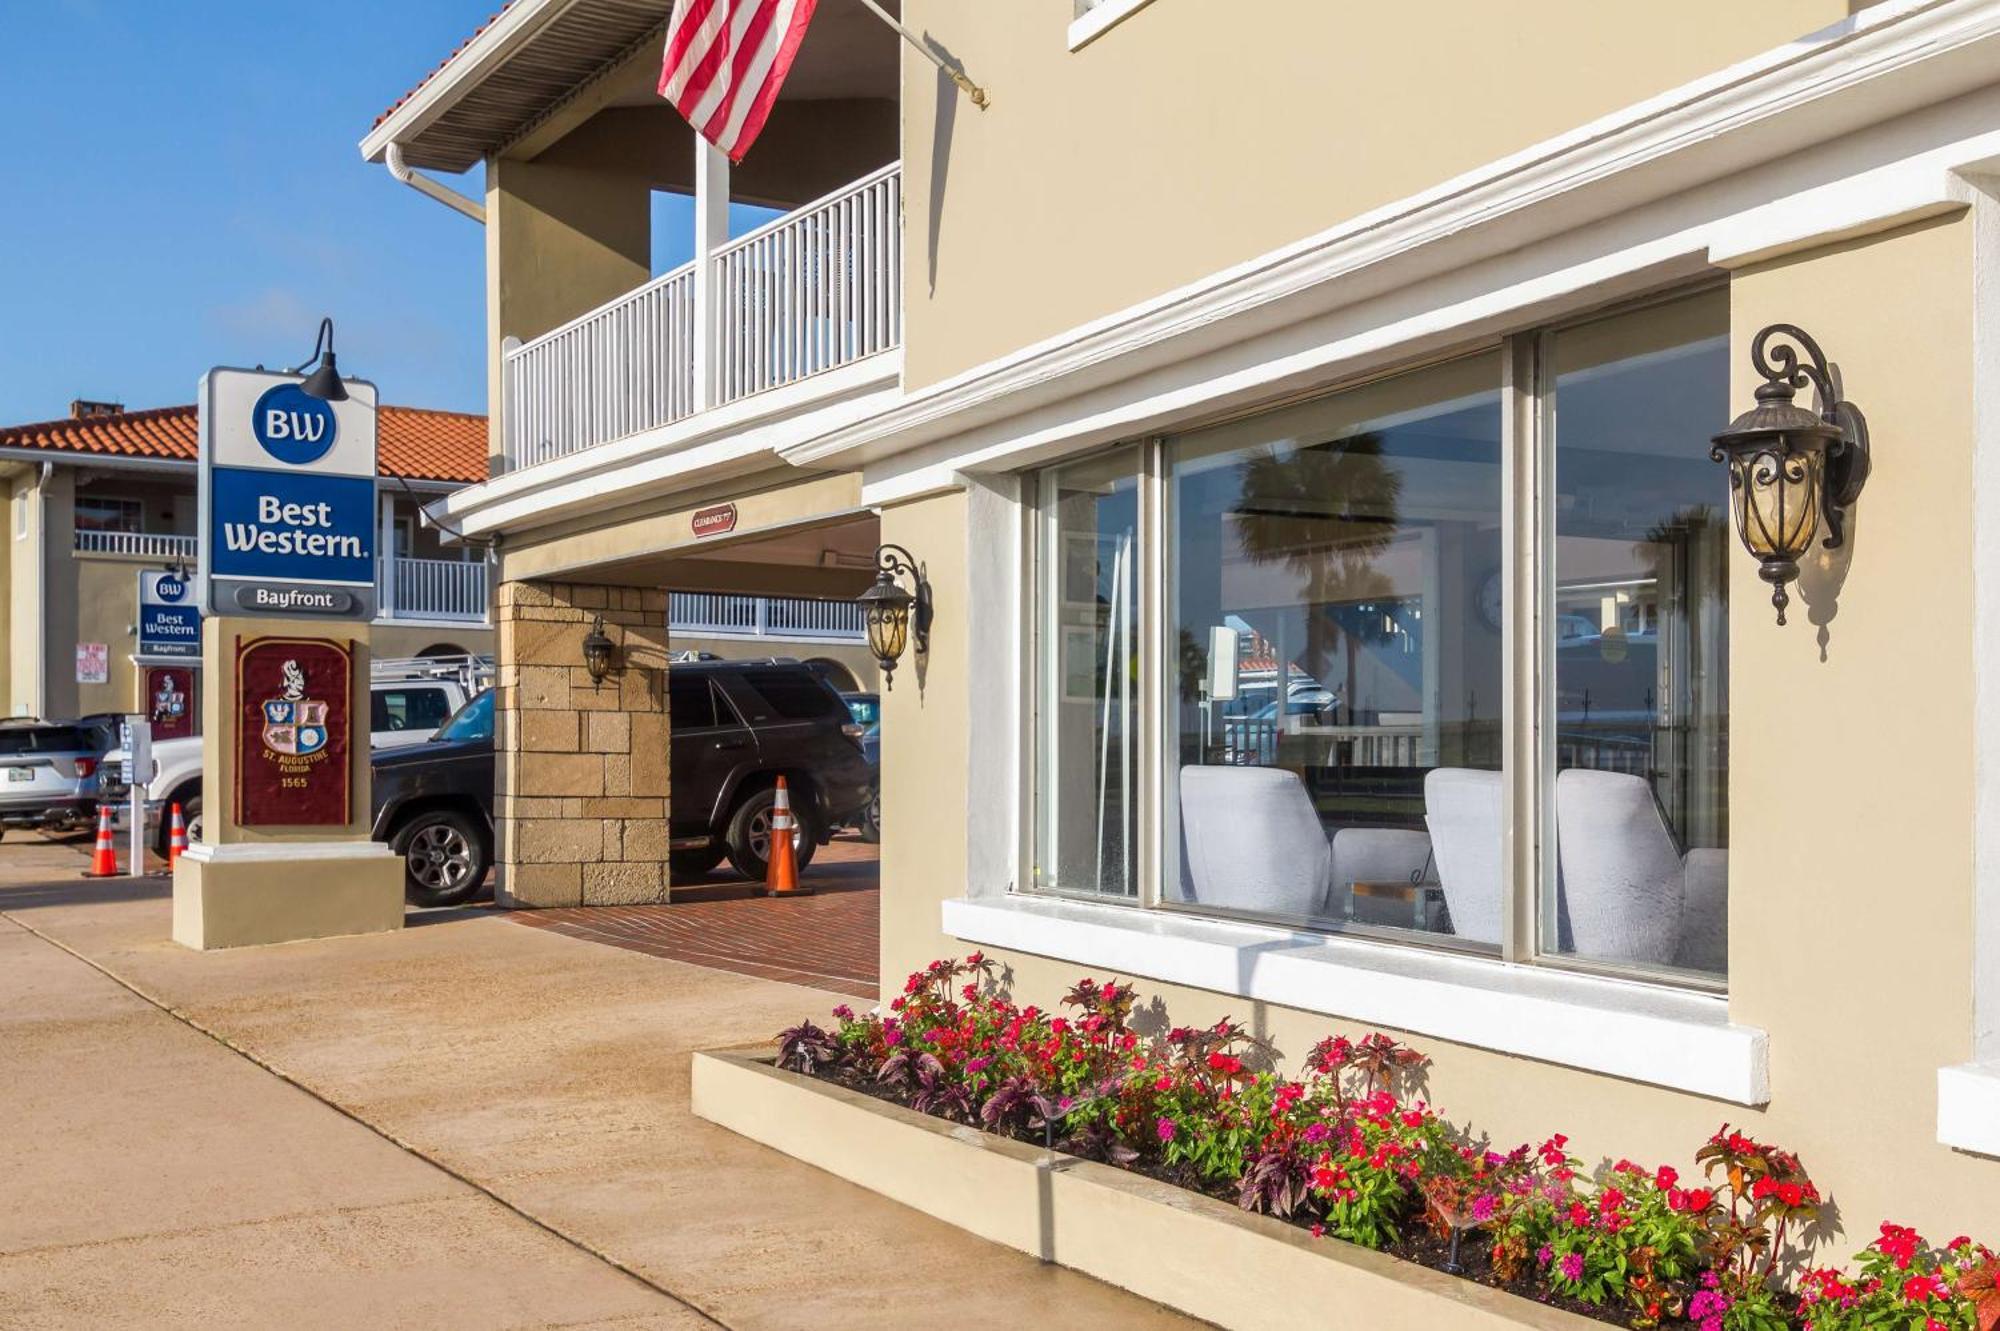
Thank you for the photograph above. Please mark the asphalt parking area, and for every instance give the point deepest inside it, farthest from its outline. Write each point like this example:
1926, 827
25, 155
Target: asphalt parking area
830, 940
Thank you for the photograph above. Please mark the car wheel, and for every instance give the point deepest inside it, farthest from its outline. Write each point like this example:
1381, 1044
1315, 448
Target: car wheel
444, 858
750, 836
870, 825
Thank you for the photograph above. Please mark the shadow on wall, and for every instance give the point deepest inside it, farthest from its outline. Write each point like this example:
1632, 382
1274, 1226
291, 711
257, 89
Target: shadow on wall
1823, 574
941, 129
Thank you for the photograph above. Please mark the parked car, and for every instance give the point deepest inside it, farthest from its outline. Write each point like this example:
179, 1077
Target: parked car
409, 699
735, 727
434, 806
866, 709
48, 775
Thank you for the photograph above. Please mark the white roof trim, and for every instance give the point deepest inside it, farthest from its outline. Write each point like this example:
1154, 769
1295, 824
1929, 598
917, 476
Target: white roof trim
462, 73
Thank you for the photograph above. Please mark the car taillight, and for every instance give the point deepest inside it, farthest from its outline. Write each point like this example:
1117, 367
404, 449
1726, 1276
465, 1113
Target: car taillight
85, 766
853, 731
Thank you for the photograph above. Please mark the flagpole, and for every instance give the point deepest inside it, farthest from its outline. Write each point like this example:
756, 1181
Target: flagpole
965, 85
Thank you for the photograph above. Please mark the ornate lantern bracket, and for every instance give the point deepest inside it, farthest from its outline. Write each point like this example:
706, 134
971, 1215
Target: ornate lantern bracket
894, 616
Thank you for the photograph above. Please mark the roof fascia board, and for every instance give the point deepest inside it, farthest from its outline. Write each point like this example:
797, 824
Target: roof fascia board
76, 457
465, 71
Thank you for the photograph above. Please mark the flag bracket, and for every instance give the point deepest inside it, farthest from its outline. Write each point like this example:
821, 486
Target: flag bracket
975, 93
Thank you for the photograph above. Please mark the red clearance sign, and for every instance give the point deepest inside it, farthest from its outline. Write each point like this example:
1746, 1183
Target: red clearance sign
716, 521
292, 732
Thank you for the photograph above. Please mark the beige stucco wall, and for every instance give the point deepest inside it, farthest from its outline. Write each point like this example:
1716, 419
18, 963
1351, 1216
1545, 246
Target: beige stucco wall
1850, 791
1165, 151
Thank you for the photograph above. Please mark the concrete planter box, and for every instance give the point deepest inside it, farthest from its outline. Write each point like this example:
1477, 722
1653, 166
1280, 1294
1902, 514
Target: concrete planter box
1163, 1243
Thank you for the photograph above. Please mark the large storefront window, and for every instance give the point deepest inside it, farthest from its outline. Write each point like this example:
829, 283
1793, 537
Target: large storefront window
1322, 739
1087, 722
1639, 639
1333, 574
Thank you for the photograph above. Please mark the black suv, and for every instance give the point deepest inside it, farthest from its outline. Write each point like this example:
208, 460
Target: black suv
735, 727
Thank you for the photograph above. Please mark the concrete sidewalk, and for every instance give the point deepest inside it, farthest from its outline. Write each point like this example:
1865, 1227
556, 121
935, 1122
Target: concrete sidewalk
522, 1134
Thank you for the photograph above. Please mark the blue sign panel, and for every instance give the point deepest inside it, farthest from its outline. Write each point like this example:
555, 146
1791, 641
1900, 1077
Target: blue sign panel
276, 526
169, 630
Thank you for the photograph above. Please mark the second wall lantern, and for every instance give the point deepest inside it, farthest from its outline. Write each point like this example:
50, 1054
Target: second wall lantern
1790, 468
893, 616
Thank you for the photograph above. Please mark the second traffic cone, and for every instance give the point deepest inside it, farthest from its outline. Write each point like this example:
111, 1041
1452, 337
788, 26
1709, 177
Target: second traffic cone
177, 838
104, 859
781, 865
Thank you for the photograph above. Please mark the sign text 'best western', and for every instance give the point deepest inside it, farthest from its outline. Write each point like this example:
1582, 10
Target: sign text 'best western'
288, 497
169, 616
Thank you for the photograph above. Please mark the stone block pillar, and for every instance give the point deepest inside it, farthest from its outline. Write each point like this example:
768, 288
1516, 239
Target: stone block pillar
581, 785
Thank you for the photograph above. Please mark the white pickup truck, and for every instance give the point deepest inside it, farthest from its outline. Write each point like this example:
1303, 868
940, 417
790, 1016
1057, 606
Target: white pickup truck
410, 699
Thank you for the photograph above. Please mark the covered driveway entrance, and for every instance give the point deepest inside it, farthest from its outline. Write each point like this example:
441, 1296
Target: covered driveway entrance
624, 830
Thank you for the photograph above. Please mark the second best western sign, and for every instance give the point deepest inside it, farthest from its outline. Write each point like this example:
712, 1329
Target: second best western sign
287, 497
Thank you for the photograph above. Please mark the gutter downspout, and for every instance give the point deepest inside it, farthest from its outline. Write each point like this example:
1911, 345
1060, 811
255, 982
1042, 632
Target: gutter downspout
392, 157
42, 587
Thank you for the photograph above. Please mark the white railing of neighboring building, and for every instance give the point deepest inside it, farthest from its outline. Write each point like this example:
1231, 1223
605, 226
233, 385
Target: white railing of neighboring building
806, 292
764, 617
145, 544
433, 589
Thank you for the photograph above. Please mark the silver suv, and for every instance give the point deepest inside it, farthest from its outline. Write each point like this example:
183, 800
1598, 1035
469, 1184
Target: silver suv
48, 774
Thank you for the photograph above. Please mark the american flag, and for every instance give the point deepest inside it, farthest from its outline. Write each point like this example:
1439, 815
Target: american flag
726, 60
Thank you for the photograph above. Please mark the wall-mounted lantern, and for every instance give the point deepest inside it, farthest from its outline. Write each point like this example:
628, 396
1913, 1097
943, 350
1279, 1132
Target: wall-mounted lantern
1789, 467
892, 614
599, 652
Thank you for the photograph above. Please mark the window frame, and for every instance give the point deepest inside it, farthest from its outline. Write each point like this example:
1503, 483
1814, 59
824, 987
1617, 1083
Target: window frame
135, 505
1528, 681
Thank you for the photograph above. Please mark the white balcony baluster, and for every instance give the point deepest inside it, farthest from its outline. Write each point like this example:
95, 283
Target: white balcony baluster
805, 293
764, 617
144, 544
434, 589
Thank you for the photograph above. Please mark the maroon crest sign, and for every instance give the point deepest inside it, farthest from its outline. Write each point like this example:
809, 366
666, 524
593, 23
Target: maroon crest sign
293, 732
170, 701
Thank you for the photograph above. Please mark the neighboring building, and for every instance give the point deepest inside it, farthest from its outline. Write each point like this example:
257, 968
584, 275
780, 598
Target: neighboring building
1359, 348
98, 497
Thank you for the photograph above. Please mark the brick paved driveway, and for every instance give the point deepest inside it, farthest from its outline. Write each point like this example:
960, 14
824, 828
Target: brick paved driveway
828, 940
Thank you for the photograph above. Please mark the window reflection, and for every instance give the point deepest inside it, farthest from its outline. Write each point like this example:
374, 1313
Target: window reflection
1334, 585
1641, 699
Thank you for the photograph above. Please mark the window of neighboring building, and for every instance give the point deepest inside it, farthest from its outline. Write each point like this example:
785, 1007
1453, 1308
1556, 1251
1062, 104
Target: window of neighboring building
103, 513
1325, 742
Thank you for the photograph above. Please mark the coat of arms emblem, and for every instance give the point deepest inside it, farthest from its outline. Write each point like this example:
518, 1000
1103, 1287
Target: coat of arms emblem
169, 702
294, 725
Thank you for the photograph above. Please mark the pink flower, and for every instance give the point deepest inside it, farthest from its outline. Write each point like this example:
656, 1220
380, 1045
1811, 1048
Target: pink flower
1482, 1208
1166, 1129
1572, 1266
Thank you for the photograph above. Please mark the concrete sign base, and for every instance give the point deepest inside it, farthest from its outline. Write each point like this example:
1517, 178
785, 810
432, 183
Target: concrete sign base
240, 896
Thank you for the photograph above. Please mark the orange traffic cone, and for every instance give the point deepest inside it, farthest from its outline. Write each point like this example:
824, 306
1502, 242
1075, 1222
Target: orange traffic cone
104, 860
177, 838
781, 865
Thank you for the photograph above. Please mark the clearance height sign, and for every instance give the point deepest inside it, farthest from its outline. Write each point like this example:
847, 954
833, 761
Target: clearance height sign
287, 497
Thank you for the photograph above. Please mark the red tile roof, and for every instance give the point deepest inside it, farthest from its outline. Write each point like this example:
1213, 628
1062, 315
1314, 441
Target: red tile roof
414, 443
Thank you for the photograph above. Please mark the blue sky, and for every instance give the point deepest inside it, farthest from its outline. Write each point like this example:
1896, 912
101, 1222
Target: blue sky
185, 191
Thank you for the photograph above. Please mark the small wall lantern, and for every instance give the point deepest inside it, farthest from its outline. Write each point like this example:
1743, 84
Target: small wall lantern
892, 613
1790, 467
599, 652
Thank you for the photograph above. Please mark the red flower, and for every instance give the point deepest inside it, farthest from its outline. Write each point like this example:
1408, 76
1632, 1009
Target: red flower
1922, 1289
1666, 1178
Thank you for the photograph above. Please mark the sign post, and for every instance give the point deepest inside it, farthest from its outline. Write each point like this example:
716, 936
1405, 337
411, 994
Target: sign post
288, 563
138, 758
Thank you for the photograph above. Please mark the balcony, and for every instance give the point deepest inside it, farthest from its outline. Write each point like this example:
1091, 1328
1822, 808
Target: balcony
443, 590
816, 289
779, 617
137, 545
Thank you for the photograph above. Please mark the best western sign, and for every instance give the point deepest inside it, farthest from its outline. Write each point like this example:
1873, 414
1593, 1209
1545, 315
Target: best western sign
169, 618
287, 496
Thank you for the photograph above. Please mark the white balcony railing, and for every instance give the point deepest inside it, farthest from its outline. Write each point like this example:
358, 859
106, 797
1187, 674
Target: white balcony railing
433, 589
807, 292
765, 617
143, 544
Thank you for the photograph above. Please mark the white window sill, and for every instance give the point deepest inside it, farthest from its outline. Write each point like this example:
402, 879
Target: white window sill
1641, 1032
1086, 28
1969, 1107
